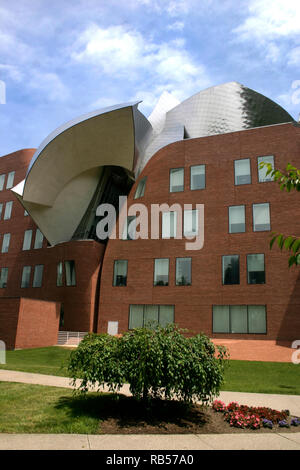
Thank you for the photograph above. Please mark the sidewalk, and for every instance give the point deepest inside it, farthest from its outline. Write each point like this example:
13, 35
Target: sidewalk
243, 441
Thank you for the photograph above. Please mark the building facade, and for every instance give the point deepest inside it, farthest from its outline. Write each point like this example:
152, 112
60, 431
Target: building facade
200, 159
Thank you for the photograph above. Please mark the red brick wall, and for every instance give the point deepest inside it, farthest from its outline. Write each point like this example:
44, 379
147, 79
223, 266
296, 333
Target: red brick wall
193, 304
9, 313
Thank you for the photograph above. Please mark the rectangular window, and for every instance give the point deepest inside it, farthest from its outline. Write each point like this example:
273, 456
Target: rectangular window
140, 190
256, 268
2, 180
1, 208
38, 275
70, 273
198, 177
5, 242
242, 171
27, 240
120, 272
129, 230
26, 276
237, 223
169, 224
59, 277
8, 209
3, 277
25, 213
176, 180
142, 316
239, 319
161, 272
10, 180
183, 271
231, 269
262, 176
190, 224
261, 217
39, 237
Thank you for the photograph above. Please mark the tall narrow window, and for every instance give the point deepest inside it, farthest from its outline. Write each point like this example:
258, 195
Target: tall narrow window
176, 180
197, 177
25, 213
1, 208
169, 224
2, 180
256, 268
242, 171
5, 242
151, 316
8, 208
120, 272
190, 224
237, 219
129, 230
38, 275
27, 240
262, 176
39, 237
221, 319
26, 276
261, 217
231, 269
238, 319
59, 277
3, 277
166, 315
161, 272
183, 271
10, 180
140, 190
70, 273
257, 319
136, 316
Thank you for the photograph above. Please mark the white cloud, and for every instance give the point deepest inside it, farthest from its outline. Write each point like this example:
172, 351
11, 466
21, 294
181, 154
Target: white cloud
50, 85
177, 26
294, 56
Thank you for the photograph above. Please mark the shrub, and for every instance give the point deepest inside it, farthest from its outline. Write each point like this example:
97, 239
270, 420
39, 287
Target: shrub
159, 362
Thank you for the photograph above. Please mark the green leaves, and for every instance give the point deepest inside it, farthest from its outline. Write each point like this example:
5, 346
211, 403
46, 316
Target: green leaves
288, 243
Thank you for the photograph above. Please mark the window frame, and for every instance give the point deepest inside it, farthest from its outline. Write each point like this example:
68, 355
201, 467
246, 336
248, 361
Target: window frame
170, 171
13, 179
229, 207
260, 204
239, 305
29, 279
9, 238
235, 284
34, 274
262, 156
154, 262
261, 283
193, 166
238, 160
178, 258
113, 279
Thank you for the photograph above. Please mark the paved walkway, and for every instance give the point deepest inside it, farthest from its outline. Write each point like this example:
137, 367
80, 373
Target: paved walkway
243, 441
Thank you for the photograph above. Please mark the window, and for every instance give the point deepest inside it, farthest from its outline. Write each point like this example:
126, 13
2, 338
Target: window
190, 224
10, 180
2, 180
183, 271
237, 219
7, 212
25, 213
120, 272
39, 237
3, 277
176, 180
161, 272
198, 177
231, 269
26, 276
1, 208
239, 319
70, 273
59, 277
5, 242
242, 171
27, 240
261, 217
140, 190
256, 269
262, 177
38, 275
169, 224
129, 230
150, 315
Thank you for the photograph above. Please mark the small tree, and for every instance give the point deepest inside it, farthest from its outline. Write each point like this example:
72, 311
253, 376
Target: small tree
159, 362
290, 180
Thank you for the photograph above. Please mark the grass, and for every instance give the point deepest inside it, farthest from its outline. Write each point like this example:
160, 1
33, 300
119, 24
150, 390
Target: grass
241, 376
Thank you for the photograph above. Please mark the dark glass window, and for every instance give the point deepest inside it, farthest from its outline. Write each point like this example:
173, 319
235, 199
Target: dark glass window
231, 269
26, 276
70, 273
38, 275
183, 271
3, 277
140, 190
256, 268
120, 272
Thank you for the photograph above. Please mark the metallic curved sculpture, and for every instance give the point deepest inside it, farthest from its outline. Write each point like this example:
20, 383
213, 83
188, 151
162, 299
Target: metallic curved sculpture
67, 176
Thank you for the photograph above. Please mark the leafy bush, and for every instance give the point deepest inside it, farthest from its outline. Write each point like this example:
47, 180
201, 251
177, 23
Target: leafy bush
159, 362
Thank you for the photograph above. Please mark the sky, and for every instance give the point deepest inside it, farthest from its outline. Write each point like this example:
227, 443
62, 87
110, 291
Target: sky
60, 59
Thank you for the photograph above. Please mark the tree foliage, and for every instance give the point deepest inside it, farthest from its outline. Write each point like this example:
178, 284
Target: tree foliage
159, 362
288, 181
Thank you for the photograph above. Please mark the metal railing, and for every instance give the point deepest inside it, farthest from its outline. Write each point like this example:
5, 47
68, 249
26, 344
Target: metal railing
70, 338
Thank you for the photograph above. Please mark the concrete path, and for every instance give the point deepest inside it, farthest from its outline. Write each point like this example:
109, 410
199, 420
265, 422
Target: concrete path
243, 441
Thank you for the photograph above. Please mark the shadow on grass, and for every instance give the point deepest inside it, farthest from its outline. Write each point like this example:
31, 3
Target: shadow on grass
129, 412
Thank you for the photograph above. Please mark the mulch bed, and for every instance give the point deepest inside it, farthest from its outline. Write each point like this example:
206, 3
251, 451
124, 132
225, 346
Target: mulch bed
127, 416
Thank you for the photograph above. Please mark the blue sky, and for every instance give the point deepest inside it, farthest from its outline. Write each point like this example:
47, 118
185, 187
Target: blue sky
64, 58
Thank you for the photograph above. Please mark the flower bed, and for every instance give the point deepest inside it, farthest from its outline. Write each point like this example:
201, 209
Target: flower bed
243, 416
